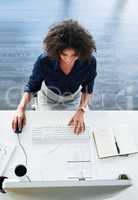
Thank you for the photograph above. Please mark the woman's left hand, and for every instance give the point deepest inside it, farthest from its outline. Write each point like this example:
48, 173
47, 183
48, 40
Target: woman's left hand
77, 122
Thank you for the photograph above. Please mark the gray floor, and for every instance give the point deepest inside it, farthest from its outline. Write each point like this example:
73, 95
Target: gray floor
114, 25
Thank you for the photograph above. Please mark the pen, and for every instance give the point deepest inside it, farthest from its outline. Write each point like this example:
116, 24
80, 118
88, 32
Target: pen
117, 147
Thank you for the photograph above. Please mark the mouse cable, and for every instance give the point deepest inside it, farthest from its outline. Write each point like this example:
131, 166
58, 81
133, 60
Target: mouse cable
24, 152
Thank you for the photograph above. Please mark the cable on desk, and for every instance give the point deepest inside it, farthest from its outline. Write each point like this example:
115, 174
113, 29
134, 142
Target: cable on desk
28, 178
25, 154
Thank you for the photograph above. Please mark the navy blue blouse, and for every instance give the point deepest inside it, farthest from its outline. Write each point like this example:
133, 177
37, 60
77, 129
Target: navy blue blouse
48, 70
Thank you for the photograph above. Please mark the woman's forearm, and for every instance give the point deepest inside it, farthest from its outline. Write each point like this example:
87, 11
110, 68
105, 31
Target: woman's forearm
85, 99
24, 101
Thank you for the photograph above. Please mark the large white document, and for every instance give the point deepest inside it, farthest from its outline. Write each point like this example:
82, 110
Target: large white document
63, 158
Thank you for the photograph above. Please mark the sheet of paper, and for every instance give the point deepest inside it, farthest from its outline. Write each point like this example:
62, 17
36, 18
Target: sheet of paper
61, 160
126, 139
105, 142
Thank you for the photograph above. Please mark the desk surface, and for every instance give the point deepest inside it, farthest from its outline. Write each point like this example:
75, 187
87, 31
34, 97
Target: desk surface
108, 167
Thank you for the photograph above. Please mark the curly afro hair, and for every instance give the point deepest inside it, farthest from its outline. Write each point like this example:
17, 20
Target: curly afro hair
69, 34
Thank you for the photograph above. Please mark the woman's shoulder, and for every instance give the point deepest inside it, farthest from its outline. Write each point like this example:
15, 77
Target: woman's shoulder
93, 59
91, 62
43, 57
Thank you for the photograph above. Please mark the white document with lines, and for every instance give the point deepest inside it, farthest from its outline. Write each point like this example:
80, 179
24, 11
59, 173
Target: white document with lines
58, 154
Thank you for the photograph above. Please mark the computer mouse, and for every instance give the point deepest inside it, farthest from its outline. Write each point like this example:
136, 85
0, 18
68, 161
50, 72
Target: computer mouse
19, 130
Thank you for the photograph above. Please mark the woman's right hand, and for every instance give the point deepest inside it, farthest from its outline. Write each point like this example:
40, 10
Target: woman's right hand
19, 119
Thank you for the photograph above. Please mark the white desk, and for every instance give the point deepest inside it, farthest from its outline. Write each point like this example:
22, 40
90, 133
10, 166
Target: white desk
108, 167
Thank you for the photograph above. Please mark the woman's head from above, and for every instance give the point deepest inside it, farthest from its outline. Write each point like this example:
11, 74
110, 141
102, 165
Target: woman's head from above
69, 56
68, 40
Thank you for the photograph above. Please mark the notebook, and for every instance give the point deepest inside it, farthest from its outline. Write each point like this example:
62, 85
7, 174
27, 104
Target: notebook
115, 141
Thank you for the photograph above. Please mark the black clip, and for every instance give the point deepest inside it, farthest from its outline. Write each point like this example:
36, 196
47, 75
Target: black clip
123, 177
2, 178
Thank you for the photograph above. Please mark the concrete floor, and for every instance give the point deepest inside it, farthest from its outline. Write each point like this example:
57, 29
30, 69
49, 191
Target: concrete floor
114, 25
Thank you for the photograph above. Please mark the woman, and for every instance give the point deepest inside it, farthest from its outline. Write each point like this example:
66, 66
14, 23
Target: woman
64, 74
